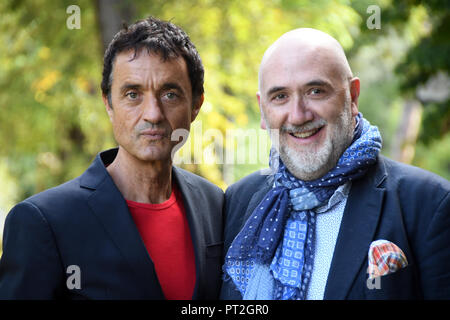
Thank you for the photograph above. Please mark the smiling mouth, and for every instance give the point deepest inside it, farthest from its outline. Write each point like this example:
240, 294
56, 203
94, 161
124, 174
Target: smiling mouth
305, 134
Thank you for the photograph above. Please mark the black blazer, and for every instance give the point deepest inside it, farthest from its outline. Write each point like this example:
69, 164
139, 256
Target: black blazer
399, 203
85, 222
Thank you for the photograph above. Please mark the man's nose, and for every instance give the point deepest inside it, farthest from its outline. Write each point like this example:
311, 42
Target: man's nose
152, 110
299, 112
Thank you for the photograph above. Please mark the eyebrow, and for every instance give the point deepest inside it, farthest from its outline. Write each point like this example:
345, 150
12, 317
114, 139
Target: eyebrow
171, 85
128, 86
166, 86
315, 82
274, 89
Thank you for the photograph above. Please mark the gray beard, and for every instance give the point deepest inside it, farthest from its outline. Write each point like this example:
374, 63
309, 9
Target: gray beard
309, 165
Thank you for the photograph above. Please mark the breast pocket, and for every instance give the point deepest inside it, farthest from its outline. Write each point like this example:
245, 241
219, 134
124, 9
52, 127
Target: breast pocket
399, 285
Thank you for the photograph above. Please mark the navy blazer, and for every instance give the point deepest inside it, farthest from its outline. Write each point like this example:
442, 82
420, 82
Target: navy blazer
399, 203
85, 222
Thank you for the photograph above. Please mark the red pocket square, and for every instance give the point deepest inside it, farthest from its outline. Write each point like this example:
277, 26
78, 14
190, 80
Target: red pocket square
385, 257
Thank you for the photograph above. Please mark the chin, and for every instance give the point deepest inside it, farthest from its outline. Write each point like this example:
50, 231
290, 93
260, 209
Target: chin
311, 175
155, 157
306, 172
308, 165
151, 154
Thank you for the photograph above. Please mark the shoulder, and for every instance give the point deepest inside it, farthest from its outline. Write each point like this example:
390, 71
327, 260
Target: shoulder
418, 195
63, 195
52, 205
201, 192
409, 179
240, 195
249, 184
36, 215
201, 183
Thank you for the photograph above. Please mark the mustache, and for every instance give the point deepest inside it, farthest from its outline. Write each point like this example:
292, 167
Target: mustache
312, 125
152, 126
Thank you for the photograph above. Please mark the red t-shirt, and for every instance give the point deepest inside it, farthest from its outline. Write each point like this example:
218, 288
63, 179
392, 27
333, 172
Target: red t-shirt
165, 232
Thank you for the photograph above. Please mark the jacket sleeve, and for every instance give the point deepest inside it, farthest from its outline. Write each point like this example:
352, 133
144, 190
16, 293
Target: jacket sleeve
30, 267
435, 260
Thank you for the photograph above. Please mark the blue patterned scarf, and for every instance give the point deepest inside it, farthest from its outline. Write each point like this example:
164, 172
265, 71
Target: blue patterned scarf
280, 231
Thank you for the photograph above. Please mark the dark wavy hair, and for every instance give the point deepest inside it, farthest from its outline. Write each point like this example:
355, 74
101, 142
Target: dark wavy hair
157, 36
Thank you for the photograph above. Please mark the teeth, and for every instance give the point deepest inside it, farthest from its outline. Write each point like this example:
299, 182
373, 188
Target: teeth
304, 135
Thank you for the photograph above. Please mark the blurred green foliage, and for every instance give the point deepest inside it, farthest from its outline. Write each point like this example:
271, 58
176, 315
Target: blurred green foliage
53, 121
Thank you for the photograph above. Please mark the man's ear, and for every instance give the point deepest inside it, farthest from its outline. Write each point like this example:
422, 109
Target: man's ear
197, 106
108, 107
354, 94
262, 123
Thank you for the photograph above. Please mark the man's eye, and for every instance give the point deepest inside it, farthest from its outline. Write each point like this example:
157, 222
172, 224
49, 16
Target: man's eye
171, 95
132, 95
316, 91
280, 96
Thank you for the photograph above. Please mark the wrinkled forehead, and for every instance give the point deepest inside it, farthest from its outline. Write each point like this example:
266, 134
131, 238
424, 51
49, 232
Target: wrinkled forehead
145, 64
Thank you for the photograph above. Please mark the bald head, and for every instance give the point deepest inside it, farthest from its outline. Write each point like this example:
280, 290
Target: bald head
309, 45
308, 95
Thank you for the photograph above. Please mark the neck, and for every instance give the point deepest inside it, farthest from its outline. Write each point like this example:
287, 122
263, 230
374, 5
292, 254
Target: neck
141, 181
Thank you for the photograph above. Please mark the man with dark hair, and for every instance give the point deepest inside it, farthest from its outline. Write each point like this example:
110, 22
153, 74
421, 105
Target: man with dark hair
335, 219
132, 226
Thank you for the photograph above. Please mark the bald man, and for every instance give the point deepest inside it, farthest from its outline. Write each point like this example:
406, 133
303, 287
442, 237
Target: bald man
334, 219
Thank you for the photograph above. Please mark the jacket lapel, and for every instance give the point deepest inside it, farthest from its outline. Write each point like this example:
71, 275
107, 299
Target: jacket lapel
109, 206
192, 207
357, 230
257, 197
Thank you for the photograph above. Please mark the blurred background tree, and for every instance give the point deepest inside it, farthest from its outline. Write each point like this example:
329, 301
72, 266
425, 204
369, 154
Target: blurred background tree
53, 122
409, 93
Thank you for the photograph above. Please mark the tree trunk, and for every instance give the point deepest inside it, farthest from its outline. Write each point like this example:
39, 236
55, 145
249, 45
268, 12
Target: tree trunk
111, 14
404, 142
